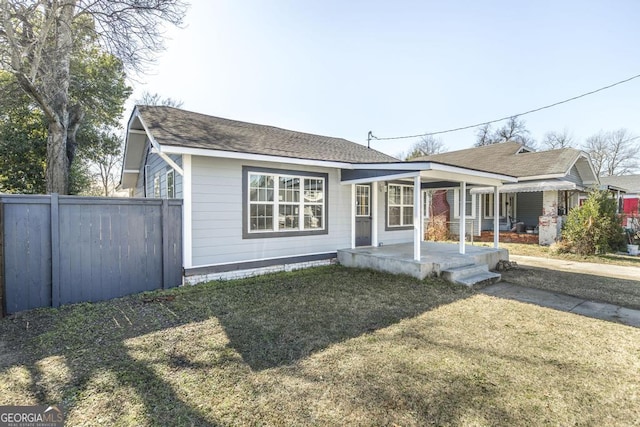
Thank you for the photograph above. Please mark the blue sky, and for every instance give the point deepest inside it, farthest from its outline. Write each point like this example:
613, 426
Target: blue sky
342, 68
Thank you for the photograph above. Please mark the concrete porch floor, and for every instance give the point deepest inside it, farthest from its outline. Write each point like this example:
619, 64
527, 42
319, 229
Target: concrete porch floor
435, 257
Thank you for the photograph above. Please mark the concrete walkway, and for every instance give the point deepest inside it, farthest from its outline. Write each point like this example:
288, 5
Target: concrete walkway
606, 270
597, 310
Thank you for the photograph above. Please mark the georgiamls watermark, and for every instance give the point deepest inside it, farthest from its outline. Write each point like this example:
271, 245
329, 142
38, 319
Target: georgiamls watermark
31, 416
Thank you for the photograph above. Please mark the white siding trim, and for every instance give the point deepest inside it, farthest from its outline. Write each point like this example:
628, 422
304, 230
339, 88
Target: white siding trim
256, 157
462, 209
496, 217
374, 214
353, 216
417, 195
187, 229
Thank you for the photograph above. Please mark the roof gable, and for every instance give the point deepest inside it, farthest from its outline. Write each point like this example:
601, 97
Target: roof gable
170, 126
509, 158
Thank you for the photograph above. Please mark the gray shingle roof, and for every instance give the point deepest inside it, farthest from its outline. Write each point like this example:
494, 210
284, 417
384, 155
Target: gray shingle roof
176, 127
502, 158
629, 182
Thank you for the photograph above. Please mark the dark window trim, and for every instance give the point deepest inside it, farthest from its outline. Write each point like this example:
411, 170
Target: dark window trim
386, 209
270, 234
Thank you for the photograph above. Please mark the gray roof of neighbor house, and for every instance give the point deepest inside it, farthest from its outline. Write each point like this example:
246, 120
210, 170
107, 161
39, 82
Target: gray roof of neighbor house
510, 158
631, 183
176, 127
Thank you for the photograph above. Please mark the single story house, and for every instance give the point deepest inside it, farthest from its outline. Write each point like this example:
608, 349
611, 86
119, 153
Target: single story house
256, 197
549, 185
630, 200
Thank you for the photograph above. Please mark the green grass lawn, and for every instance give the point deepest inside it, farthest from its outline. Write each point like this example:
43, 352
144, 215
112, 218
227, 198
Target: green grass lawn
323, 346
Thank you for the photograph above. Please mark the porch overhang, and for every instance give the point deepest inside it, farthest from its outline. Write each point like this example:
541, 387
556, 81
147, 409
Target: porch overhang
428, 171
529, 187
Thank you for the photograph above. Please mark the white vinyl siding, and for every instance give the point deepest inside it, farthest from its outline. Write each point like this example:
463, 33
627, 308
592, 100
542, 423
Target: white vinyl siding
217, 215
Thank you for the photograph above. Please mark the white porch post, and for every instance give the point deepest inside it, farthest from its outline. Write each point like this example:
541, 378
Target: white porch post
416, 218
374, 214
463, 216
496, 217
353, 216
187, 239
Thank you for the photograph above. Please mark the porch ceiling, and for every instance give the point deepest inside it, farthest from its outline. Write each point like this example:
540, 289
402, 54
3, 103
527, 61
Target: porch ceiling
529, 187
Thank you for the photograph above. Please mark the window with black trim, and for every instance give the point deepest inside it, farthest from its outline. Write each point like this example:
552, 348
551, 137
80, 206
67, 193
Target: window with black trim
399, 205
280, 203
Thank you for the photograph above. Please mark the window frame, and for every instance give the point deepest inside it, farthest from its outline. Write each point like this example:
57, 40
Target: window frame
247, 171
402, 206
157, 186
487, 201
456, 203
359, 205
171, 194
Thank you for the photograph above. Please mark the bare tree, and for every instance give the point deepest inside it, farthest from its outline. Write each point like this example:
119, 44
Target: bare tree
148, 98
623, 154
514, 129
484, 136
596, 146
427, 146
36, 43
557, 139
614, 153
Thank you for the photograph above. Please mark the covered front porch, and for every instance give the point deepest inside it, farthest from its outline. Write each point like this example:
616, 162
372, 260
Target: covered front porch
436, 259
387, 207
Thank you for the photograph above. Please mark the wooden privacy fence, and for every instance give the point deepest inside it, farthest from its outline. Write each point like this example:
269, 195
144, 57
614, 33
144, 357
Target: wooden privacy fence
58, 250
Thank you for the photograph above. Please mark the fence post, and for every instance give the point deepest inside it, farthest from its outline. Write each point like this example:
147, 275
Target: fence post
164, 218
55, 250
2, 285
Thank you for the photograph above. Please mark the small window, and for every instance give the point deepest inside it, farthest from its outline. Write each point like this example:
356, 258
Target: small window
363, 203
399, 205
470, 207
171, 187
156, 186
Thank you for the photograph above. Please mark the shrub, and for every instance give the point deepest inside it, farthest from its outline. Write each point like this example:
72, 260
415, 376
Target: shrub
594, 227
437, 229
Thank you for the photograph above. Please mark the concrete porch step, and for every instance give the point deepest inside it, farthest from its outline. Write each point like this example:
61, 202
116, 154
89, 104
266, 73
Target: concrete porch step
471, 275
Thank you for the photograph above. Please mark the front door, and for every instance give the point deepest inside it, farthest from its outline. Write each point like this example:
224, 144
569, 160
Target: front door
363, 215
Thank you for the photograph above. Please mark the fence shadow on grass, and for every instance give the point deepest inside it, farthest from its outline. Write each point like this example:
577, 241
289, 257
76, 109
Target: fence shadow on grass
269, 321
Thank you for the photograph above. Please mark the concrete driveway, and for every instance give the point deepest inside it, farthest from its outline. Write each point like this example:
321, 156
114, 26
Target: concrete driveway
571, 304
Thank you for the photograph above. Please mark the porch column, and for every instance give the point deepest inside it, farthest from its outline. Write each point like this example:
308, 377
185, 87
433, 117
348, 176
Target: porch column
353, 216
496, 217
416, 218
187, 236
463, 217
374, 214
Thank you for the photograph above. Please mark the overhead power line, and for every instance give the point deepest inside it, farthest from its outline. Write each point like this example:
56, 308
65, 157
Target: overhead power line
372, 136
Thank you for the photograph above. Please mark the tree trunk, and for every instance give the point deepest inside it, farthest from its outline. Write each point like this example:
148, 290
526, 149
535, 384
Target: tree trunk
57, 161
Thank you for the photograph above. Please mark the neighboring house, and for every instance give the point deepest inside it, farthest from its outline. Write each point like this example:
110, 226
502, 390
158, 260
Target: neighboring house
630, 205
259, 197
549, 185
